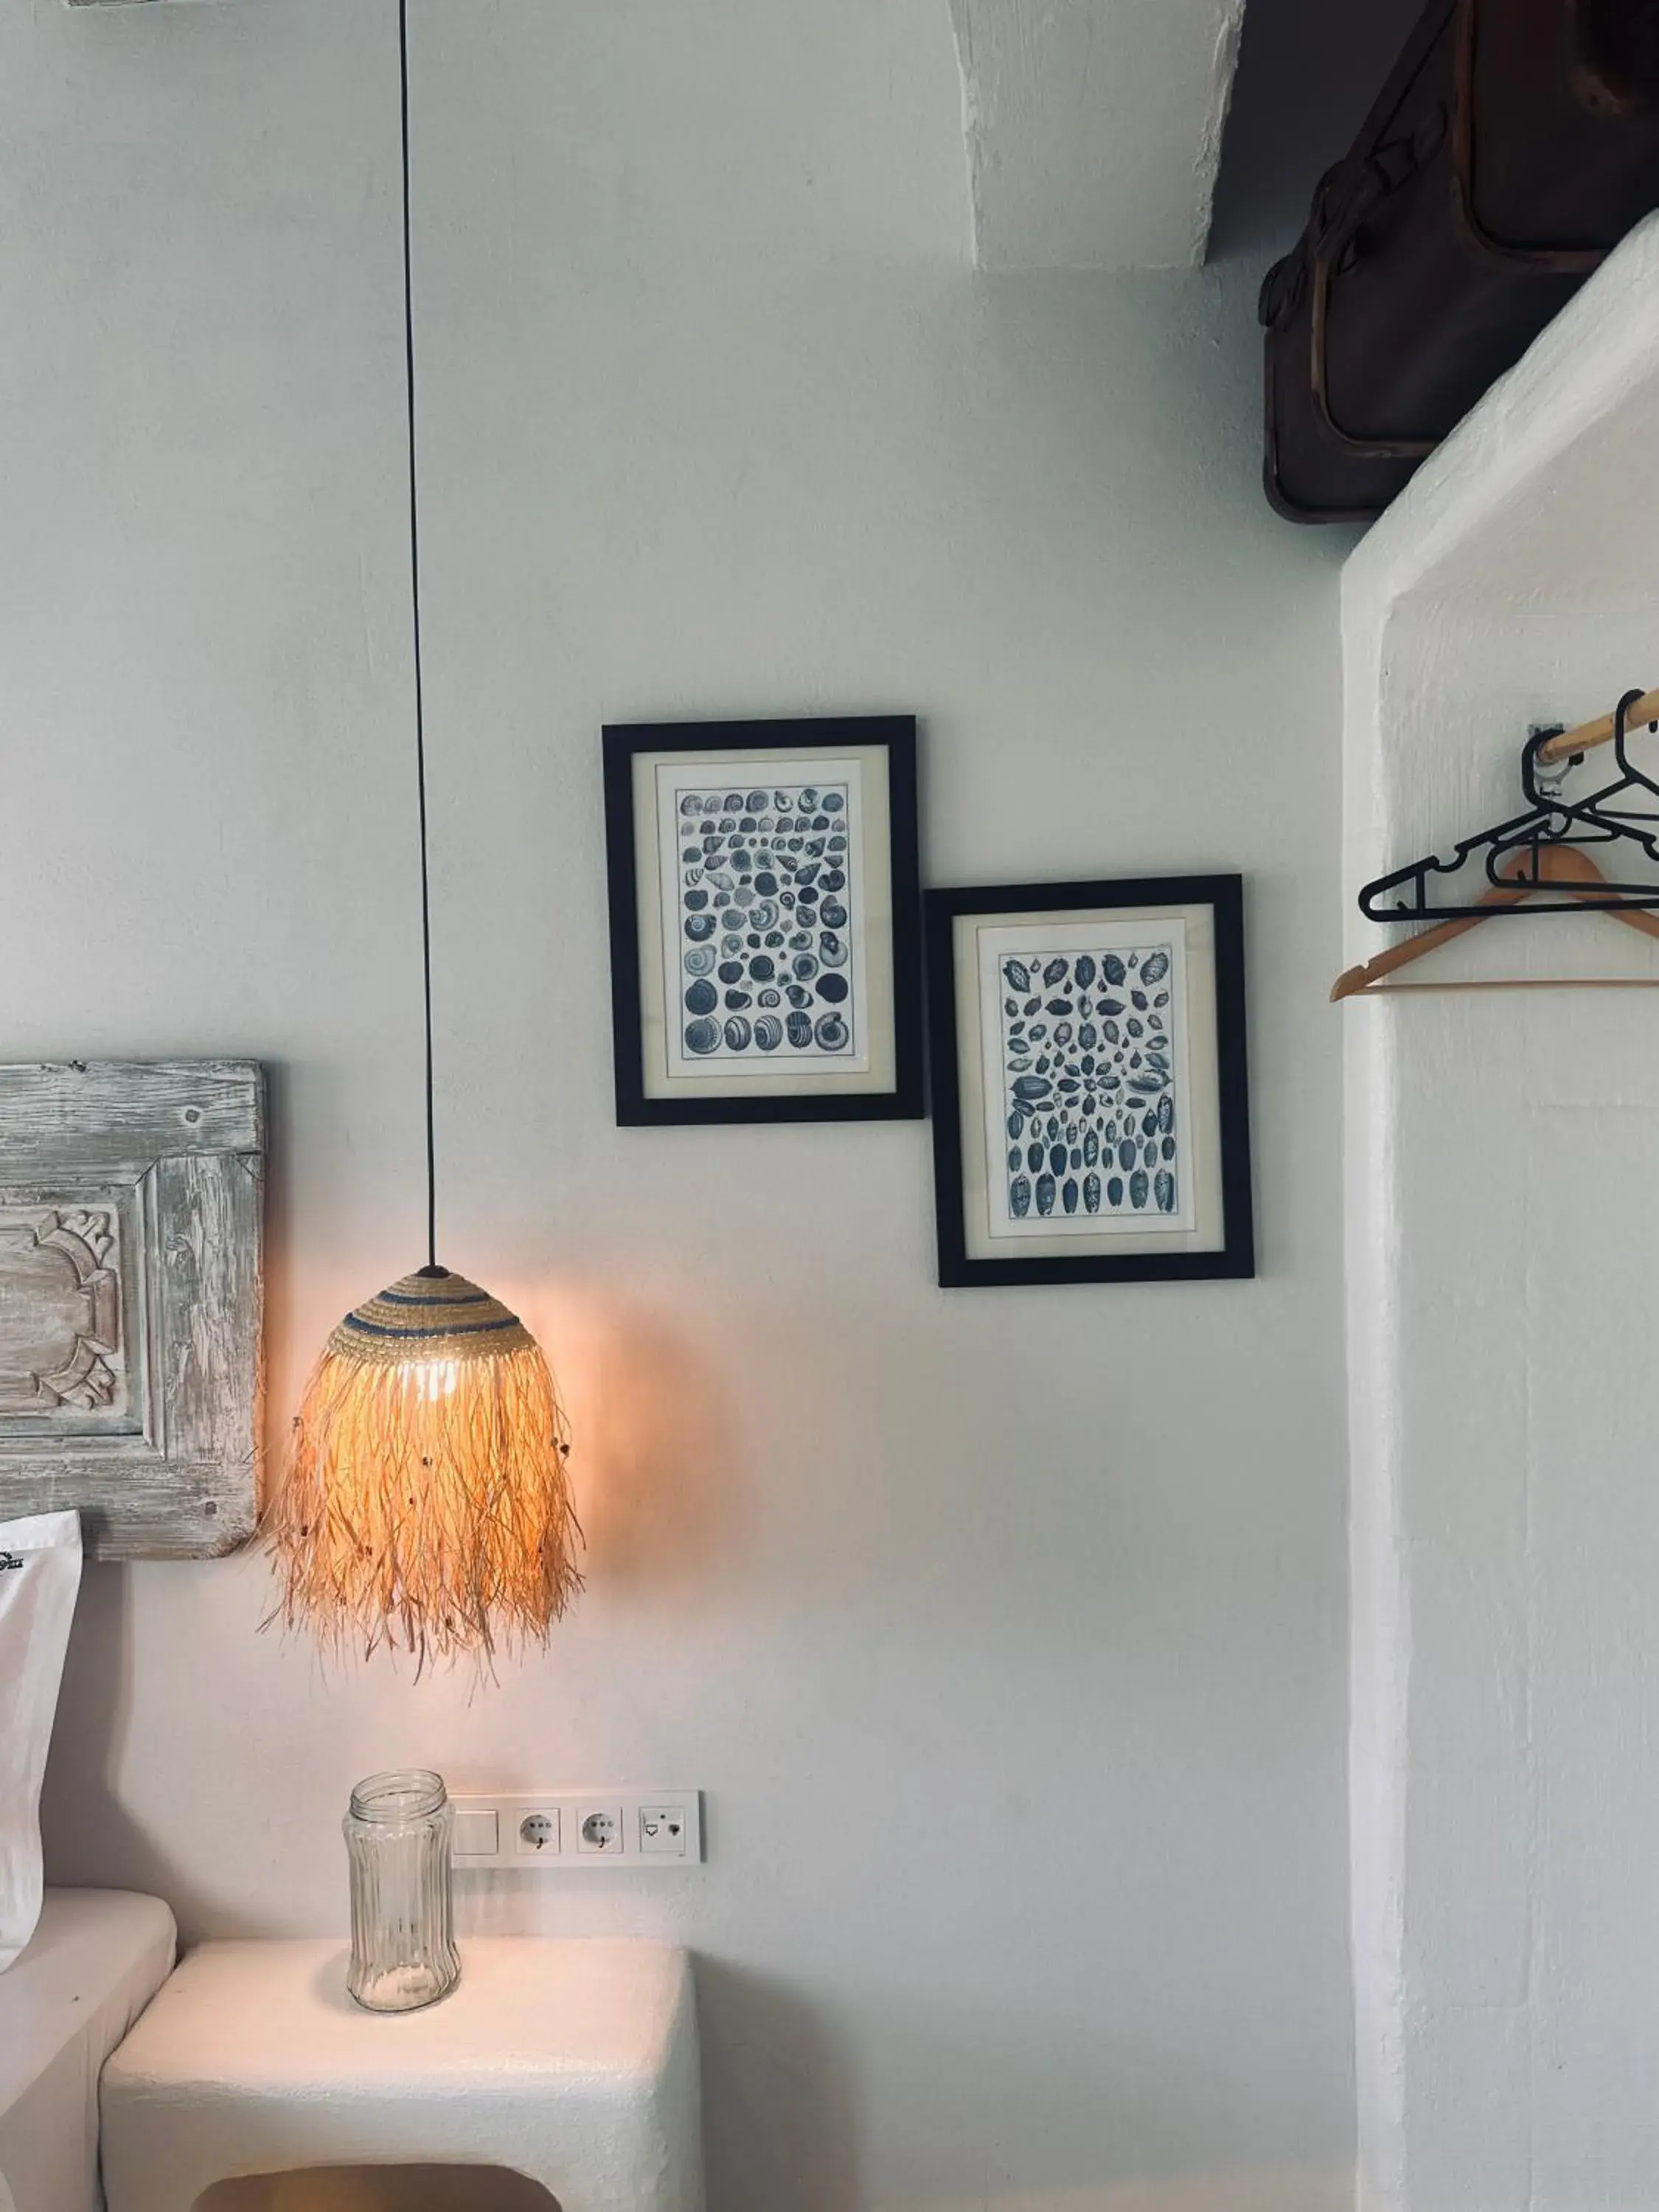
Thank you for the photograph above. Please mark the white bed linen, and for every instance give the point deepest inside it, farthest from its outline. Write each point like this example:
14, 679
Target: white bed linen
96, 1959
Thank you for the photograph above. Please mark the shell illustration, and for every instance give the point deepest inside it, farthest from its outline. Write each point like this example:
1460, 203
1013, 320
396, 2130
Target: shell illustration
1138, 1189
1019, 1198
832, 1033
1045, 1196
1163, 1188
1155, 967
799, 1029
699, 927
832, 986
769, 1032
1091, 1194
700, 998
702, 1037
699, 960
738, 1034
1083, 972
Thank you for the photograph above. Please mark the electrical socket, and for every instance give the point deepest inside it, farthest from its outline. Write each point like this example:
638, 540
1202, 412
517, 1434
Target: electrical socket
579, 1832
538, 1833
599, 1828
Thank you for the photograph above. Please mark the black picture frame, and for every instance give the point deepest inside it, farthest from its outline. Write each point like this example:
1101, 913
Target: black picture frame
961, 1267
807, 737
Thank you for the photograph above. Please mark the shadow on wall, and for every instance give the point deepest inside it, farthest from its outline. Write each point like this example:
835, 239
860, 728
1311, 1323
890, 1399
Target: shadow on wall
659, 1472
778, 2122
87, 1829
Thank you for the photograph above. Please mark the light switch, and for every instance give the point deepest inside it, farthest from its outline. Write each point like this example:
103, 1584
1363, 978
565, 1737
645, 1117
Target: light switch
477, 1834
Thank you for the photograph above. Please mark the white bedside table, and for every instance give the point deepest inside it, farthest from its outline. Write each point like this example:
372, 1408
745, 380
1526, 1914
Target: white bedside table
575, 2063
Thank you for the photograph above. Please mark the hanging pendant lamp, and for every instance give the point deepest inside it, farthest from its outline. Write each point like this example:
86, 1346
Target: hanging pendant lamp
426, 1504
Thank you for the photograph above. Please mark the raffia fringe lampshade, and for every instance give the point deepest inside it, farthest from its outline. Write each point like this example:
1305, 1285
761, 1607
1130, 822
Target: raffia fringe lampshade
426, 1504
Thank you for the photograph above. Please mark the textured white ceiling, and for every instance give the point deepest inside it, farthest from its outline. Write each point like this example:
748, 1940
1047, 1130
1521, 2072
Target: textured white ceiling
1094, 128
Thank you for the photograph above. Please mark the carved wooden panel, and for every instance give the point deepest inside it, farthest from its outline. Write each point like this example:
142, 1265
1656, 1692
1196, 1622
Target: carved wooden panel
130, 1300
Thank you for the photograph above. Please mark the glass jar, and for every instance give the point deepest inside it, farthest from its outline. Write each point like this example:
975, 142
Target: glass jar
403, 1937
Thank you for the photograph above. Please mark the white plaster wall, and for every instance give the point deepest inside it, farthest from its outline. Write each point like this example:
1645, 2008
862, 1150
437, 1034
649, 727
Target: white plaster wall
1503, 1213
1005, 1629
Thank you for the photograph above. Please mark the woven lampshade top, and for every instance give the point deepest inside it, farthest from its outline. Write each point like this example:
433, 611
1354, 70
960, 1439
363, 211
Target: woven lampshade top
427, 1318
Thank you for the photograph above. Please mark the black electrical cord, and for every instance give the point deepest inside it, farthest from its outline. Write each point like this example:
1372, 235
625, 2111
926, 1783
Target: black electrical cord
432, 1266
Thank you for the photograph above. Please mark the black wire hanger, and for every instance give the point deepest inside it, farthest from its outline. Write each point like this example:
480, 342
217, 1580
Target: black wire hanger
1622, 815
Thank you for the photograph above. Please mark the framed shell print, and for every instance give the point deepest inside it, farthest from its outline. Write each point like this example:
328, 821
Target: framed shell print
1090, 1115
130, 1300
765, 920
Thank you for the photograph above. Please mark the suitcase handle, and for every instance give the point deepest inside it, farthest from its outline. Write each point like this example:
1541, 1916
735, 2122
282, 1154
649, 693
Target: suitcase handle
1333, 242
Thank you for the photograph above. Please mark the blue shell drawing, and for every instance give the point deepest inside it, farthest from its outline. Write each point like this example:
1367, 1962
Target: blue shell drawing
1088, 1056
752, 866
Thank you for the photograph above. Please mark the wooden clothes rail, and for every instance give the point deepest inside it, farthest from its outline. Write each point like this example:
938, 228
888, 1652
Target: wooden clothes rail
1600, 731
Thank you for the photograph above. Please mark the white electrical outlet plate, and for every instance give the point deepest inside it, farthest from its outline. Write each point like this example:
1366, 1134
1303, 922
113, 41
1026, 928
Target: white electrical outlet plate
580, 1831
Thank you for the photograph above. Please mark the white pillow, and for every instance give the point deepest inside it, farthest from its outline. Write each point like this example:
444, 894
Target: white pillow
39, 1576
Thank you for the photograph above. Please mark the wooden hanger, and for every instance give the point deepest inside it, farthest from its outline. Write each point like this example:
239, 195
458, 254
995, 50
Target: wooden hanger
1568, 867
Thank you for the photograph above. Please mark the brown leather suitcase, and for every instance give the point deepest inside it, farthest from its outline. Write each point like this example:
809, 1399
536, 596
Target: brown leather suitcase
1514, 144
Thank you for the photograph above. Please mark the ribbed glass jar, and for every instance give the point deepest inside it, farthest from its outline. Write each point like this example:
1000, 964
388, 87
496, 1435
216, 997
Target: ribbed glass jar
402, 1936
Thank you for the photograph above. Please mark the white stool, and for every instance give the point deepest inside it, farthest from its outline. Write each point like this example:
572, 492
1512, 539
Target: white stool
574, 2064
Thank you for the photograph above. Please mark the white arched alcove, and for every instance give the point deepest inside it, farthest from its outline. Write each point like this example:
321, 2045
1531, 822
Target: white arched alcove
1502, 1225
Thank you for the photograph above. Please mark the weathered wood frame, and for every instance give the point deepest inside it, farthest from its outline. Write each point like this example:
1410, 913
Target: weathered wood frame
168, 1157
